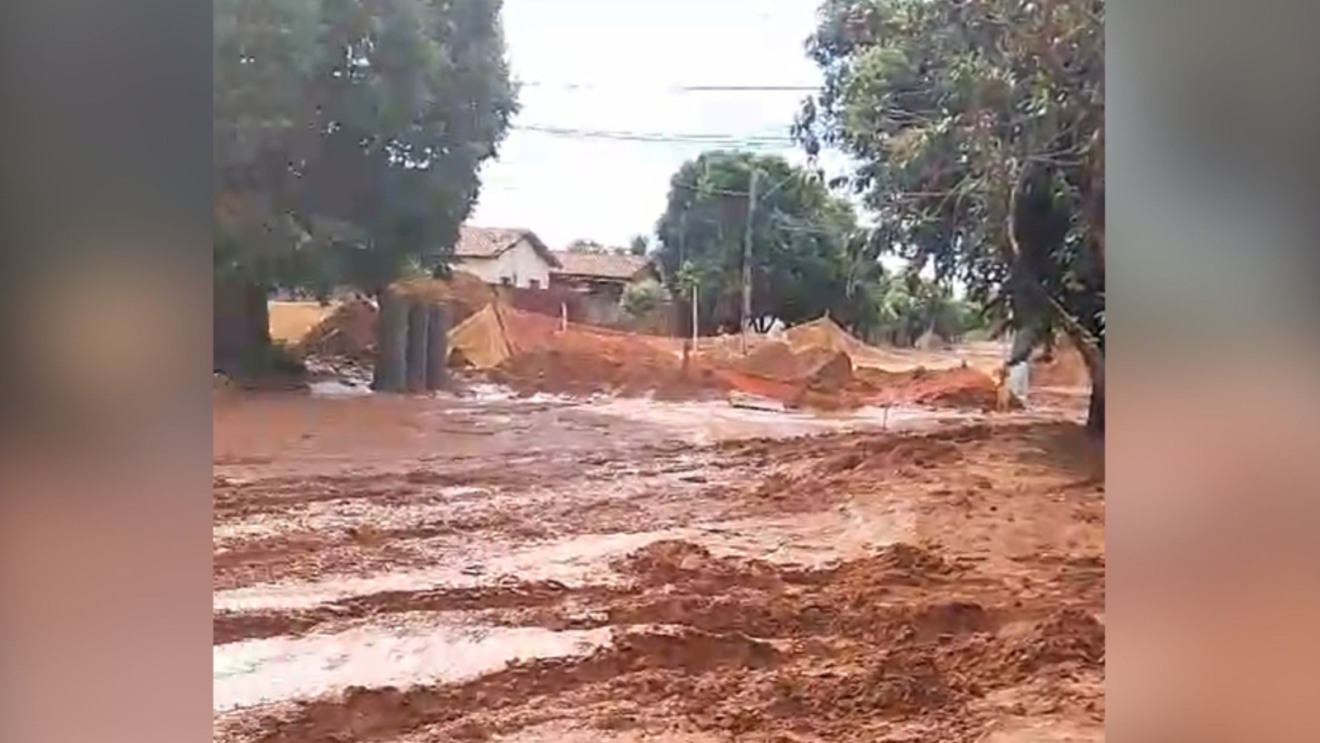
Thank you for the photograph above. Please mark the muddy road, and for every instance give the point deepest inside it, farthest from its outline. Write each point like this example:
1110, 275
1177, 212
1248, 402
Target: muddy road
535, 570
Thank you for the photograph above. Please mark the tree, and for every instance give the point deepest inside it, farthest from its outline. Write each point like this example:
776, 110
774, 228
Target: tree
639, 246
979, 125
585, 245
349, 134
799, 238
899, 309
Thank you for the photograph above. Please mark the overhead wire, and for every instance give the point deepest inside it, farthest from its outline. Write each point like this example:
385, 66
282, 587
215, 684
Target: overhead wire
659, 137
679, 88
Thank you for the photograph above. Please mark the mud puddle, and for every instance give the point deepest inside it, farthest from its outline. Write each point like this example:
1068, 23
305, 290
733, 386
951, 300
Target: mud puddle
328, 516
712, 422
257, 672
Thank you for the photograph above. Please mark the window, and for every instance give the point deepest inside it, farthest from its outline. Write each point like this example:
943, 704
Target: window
506, 281
534, 283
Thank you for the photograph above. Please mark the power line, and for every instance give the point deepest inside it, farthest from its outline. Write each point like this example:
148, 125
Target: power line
663, 137
678, 88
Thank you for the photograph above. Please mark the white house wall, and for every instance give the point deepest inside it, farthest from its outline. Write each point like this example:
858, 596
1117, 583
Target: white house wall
521, 264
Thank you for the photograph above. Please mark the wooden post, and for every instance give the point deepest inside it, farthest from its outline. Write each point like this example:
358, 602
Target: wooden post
695, 300
391, 344
437, 347
416, 347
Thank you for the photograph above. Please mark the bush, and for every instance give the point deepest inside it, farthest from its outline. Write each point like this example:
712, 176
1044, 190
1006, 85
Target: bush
641, 299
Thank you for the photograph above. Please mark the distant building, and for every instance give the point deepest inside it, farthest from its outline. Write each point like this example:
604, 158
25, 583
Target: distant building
505, 257
601, 278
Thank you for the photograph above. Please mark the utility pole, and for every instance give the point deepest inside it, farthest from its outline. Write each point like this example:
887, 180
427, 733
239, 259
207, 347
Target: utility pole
747, 260
682, 265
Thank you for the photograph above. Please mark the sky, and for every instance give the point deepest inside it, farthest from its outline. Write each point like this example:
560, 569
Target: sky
592, 66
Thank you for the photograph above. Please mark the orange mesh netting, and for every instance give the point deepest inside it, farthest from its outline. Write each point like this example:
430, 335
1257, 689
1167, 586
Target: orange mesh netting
537, 353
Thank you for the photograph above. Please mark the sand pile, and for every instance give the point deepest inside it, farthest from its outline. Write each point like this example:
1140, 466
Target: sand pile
349, 332
290, 322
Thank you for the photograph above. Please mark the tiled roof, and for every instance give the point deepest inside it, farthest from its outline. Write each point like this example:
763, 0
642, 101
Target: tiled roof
600, 265
492, 242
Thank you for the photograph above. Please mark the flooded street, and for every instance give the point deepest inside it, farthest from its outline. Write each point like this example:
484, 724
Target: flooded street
487, 568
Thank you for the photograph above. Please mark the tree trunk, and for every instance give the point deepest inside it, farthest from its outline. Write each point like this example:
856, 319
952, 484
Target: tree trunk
240, 325
1095, 412
1093, 356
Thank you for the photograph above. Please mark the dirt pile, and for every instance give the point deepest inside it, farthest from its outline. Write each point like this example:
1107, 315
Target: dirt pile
960, 388
579, 364
956, 388
533, 353
820, 369
464, 293
1063, 367
348, 332
822, 333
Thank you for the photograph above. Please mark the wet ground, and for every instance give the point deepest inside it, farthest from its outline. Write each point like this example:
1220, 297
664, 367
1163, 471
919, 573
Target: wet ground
441, 569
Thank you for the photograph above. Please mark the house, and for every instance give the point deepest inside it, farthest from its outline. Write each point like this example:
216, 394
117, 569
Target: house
601, 278
507, 257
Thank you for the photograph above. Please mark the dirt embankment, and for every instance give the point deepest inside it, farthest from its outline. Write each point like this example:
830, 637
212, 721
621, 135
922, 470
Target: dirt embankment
820, 367
539, 356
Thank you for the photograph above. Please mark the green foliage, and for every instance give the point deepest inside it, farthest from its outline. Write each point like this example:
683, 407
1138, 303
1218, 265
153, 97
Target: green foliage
639, 246
348, 134
800, 239
641, 299
899, 310
979, 125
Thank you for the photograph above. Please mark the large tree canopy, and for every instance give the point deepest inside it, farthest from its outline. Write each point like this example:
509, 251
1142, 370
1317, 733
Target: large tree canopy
799, 249
348, 134
980, 128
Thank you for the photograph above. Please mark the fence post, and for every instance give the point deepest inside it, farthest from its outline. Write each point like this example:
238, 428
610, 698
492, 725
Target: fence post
416, 347
391, 344
437, 347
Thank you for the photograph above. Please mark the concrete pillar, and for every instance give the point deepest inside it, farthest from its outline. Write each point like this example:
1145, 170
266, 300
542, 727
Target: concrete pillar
437, 347
416, 347
391, 344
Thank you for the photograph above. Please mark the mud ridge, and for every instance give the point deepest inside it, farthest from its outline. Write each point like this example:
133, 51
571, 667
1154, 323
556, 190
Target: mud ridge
727, 682
234, 626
